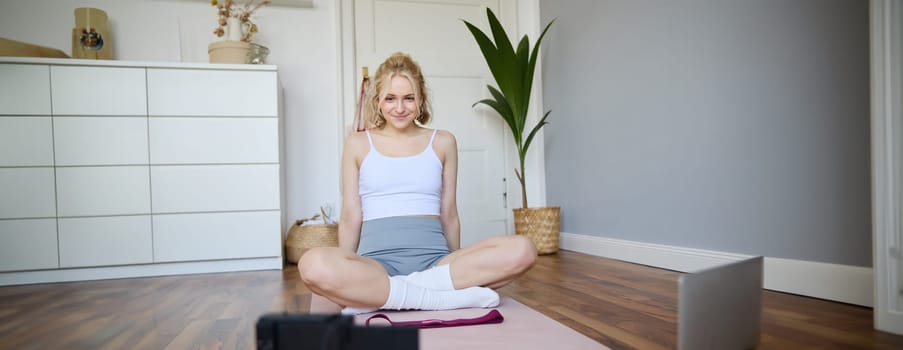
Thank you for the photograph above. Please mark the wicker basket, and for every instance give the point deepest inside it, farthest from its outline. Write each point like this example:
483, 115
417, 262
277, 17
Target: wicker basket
301, 238
542, 225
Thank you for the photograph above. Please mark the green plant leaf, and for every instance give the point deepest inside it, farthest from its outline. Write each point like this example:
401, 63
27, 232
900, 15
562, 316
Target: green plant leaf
507, 114
522, 59
491, 103
500, 107
509, 79
536, 128
523, 56
531, 66
487, 47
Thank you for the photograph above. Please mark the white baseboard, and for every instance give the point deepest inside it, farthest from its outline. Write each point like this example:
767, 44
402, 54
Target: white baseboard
132, 271
844, 283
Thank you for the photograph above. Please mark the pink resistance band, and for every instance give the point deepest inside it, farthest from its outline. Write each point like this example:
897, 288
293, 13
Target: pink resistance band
490, 317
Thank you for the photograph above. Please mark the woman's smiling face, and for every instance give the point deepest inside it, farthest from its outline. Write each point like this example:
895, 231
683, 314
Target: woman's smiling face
399, 103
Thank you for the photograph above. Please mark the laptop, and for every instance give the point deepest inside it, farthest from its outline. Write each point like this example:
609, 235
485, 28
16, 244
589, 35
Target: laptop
720, 307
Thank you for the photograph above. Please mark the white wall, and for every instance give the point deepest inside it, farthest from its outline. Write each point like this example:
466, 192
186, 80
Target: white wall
302, 43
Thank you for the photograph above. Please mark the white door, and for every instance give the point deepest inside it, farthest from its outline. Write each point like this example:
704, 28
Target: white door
887, 171
433, 33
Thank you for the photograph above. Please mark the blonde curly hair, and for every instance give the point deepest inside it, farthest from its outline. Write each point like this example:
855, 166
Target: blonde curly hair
399, 64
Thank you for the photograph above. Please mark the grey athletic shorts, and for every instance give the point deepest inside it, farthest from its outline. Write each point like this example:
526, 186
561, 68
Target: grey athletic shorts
403, 244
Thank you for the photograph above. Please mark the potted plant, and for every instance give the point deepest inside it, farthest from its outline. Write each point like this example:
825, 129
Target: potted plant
513, 72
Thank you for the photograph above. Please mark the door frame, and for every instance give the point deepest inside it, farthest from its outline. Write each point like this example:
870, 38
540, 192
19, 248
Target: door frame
887, 169
526, 21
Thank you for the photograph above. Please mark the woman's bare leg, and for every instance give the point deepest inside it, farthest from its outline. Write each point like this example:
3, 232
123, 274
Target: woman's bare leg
350, 280
492, 262
344, 278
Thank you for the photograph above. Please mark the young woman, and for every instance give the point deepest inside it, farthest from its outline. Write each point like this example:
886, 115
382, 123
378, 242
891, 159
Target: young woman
399, 232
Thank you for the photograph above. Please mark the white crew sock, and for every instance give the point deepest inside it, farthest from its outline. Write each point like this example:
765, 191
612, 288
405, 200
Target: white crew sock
404, 295
435, 278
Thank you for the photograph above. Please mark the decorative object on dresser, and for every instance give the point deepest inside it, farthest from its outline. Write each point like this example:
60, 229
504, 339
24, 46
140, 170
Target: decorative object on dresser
235, 25
90, 37
258, 54
158, 179
513, 73
20, 49
235, 52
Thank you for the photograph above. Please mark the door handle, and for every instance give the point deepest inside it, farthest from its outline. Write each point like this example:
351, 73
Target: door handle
504, 193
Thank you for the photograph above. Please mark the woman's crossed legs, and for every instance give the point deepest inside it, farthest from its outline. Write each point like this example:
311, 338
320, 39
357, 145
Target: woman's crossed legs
352, 280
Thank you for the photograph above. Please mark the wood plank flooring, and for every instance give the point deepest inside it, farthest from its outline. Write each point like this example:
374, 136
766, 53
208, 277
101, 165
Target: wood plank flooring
622, 305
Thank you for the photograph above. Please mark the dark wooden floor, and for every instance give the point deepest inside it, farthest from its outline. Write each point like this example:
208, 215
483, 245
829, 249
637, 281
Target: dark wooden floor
621, 305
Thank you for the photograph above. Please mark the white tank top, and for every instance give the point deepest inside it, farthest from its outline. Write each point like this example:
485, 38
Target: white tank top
400, 186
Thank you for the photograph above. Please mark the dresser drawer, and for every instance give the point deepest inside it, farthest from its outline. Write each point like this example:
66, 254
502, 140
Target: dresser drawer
27, 193
28, 244
101, 241
26, 141
211, 236
214, 140
211, 93
99, 191
200, 188
25, 89
100, 140
98, 91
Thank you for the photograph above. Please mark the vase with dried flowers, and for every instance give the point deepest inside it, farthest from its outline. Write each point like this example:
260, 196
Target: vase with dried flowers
235, 24
234, 16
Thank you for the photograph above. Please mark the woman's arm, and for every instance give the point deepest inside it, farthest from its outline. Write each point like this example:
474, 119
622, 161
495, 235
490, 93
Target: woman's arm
350, 222
447, 148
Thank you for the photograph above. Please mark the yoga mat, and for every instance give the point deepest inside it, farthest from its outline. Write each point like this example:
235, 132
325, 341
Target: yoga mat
524, 328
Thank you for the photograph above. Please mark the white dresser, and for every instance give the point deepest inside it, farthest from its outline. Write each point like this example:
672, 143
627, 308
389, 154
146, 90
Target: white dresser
112, 169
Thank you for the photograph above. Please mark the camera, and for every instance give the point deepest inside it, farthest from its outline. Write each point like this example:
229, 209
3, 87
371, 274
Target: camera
329, 332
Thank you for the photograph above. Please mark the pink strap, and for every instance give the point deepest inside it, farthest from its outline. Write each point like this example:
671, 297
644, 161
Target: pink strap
493, 316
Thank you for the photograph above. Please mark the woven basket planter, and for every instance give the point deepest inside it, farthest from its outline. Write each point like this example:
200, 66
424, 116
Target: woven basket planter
542, 225
301, 238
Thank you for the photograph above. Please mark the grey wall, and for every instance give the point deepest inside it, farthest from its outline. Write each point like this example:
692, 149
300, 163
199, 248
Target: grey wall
731, 125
